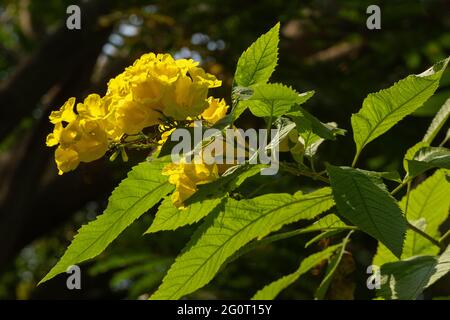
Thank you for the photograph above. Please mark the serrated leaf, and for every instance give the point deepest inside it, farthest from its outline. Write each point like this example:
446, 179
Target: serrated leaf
135, 195
272, 290
427, 209
438, 122
330, 221
388, 175
168, 217
274, 99
382, 110
406, 280
427, 158
258, 62
255, 65
237, 224
364, 201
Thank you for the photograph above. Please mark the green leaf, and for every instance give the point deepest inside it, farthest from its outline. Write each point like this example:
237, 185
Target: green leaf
202, 203
258, 62
141, 190
427, 209
311, 133
274, 99
389, 175
169, 217
272, 290
411, 152
382, 110
406, 280
255, 66
237, 224
438, 122
330, 221
428, 158
364, 201
306, 122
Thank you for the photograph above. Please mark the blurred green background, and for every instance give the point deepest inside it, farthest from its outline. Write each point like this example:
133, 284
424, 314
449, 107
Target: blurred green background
325, 46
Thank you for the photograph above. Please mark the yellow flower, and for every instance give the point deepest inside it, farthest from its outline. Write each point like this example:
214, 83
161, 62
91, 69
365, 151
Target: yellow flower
217, 110
131, 117
164, 135
92, 141
66, 113
161, 85
155, 87
66, 159
186, 177
84, 137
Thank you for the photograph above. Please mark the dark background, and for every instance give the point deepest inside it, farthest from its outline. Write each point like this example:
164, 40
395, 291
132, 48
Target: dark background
325, 46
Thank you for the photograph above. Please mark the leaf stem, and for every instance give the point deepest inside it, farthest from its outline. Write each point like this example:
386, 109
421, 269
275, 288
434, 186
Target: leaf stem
424, 234
355, 159
444, 237
400, 186
308, 174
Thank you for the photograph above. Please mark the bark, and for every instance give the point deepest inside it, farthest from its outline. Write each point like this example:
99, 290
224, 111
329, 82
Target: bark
32, 199
55, 59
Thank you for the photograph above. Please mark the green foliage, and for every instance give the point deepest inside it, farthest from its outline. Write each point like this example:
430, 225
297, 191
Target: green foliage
256, 65
382, 110
364, 201
427, 158
258, 62
238, 223
427, 208
307, 124
169, 217
438, 122
135, 195
275, 99
408, 278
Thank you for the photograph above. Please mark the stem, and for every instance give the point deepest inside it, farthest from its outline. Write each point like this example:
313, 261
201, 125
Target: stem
269, 125
407, 198
444, 141
298, 172
423, 234
400, 186
311, 160
355, 159
444, 237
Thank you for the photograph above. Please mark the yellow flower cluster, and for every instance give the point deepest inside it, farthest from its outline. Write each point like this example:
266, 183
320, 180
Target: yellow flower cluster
153, 88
